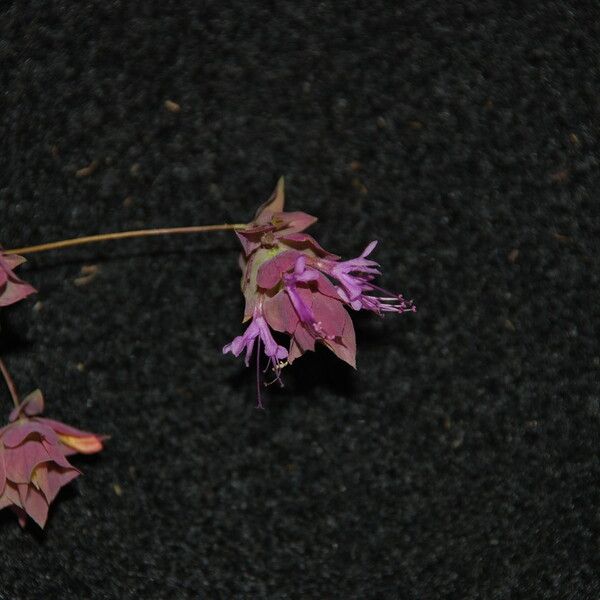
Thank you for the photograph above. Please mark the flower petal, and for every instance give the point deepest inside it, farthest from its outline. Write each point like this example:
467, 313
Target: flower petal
84, 445
10, 496
304, 241
294, 352
18, 431
280, 314
274, 204
35, 505
330, 313
345, 347
32, 404
2, 470
62, 429
58, 453
304, 340
327, 288
291, 223
14, 290
58, 478
52, 478
11, 261
21, 461
270, 273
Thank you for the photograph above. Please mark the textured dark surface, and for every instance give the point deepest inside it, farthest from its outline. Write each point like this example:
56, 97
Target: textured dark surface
461, 460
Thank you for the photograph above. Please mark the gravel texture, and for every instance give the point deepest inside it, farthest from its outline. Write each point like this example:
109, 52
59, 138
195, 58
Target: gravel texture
461, 459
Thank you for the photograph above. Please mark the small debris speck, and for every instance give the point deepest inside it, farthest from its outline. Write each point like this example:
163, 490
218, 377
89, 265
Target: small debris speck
357, 184
458, 440
561, 176
172, 106
531, 425
87, 171
87, 274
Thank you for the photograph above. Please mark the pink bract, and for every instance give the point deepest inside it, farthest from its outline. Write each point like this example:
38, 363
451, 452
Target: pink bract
12, 289
33, 463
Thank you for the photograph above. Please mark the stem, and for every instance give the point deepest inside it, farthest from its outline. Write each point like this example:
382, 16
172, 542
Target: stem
10, 384
101, 237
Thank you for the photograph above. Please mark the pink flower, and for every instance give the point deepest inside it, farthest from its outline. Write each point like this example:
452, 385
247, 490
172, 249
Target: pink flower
33, 463
12, 289
293, 286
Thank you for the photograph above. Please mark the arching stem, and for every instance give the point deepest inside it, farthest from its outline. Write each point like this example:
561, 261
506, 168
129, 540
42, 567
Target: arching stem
10, 384
120, 235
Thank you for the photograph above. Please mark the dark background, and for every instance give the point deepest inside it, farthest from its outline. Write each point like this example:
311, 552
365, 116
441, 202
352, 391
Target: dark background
461, 459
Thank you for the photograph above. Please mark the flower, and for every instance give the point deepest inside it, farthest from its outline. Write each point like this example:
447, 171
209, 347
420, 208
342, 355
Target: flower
33, 463
12, 289
293, 286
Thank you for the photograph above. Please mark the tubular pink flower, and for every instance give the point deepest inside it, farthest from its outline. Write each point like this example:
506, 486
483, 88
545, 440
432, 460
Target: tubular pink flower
258, 328
258, 331
33, 463
354, 274
355, 277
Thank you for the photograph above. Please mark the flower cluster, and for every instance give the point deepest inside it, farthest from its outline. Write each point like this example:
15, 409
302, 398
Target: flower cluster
33, 449
293, 286
33, 459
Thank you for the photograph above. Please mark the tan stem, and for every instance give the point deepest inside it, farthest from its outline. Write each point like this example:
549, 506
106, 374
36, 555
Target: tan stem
120, 235
10, 384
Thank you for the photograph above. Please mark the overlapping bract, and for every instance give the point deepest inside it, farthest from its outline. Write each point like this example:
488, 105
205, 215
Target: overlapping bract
12, 289
33, 459
294, 286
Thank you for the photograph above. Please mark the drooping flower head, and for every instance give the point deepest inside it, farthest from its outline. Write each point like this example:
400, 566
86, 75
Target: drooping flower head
12, 289
293, 286
33, 463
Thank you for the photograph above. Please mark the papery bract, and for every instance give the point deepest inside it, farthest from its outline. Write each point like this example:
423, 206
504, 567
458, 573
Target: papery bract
33, 463
293, 286
12, 289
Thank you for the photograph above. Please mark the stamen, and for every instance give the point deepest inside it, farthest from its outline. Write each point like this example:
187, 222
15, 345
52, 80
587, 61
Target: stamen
277, 368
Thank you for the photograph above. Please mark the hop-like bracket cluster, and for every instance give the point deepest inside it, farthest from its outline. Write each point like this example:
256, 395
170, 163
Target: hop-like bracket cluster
293, 286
